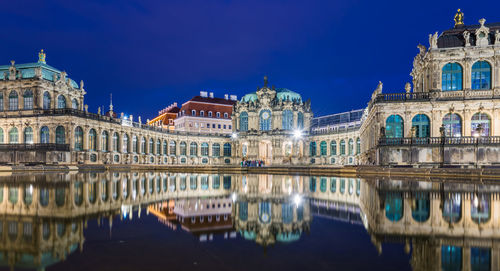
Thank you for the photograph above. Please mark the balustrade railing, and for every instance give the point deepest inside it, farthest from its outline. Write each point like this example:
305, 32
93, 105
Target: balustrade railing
429, 141
402, 97
34, 147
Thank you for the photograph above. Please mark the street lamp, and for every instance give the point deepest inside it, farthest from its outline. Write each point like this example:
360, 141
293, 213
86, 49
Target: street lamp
297, 134
234, 136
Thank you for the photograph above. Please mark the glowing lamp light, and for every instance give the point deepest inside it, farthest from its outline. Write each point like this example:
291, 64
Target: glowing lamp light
234, 197
234, 135
297, 199
297, 134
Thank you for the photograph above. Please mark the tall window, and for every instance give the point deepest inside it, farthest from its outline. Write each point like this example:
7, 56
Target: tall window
158, 146
13, 100
165, 147
358, 145
287, 120
1, 101
312, 148
28, 99
216, 150
44, 135
28, 135
46, 100
78, 138
135, 144
172, 146
151, 146
481, 75
125, 143
451, 258
60, 135
104, 141
452, 125
61, 102
351, 147
13, 135
183, 148
227, 149
323, 148
204, 149
116, 138
143, 145
193, 149
333, 147
265, 120
480, 124
300, 120
342, 147
244, 121
1, 141
451, 77
92, 140
74, 104
422, 125
394, 126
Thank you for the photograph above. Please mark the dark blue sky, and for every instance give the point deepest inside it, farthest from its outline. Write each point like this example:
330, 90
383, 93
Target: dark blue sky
152, 53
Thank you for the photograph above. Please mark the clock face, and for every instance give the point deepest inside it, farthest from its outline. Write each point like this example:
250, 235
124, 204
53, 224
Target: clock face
265, 115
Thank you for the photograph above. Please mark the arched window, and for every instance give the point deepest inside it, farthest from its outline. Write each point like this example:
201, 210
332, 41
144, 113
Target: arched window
300, 120
312, 148
243, 210
46, 100
13, 135
422, 125
74, 103
125, 143
287, 120
480, 211
394, 206
265, 120
204, 149
333, 147
158, 146
165, 147
1, 101
135, 144
173, 147
451, 78
13, 100
193, 149
358, 145
225, 115
452, 207
342, 147
216, 150
323, 148
217, 114
151, 146
61, 102
1, 139
351, 146
481, 75
28, 135
92, 140
394, 126
78, 138
28, 99
116, 139
183, 148
244, 121
420, 208
60, 135
44, 135
143, 145
104, 141
452, 125
480, 124
227, 149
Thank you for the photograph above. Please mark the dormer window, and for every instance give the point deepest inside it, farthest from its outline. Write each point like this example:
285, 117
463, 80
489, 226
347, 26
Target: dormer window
217, 114
202, 113
225, 115
210, 113
193, 112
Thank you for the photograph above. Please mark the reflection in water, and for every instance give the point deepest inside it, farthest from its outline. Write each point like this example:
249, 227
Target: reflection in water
448, 226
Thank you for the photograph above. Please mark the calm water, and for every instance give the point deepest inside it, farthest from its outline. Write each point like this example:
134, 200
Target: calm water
158, 221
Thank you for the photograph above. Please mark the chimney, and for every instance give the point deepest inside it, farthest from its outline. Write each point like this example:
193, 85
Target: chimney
211, 94
203, 94
233, 97
226, 96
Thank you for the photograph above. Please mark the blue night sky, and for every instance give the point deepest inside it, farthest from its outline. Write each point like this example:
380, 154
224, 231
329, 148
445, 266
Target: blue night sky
152, 53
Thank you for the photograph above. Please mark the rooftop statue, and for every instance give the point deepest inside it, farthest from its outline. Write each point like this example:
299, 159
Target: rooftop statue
41, 57
459, 18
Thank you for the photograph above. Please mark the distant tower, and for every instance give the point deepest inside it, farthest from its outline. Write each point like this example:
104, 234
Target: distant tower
111, 103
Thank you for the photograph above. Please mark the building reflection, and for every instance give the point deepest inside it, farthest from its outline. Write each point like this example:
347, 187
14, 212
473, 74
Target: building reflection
444, 225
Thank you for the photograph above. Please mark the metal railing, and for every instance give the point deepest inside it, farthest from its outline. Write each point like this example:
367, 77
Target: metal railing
403, 97
34, 147
433, 141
